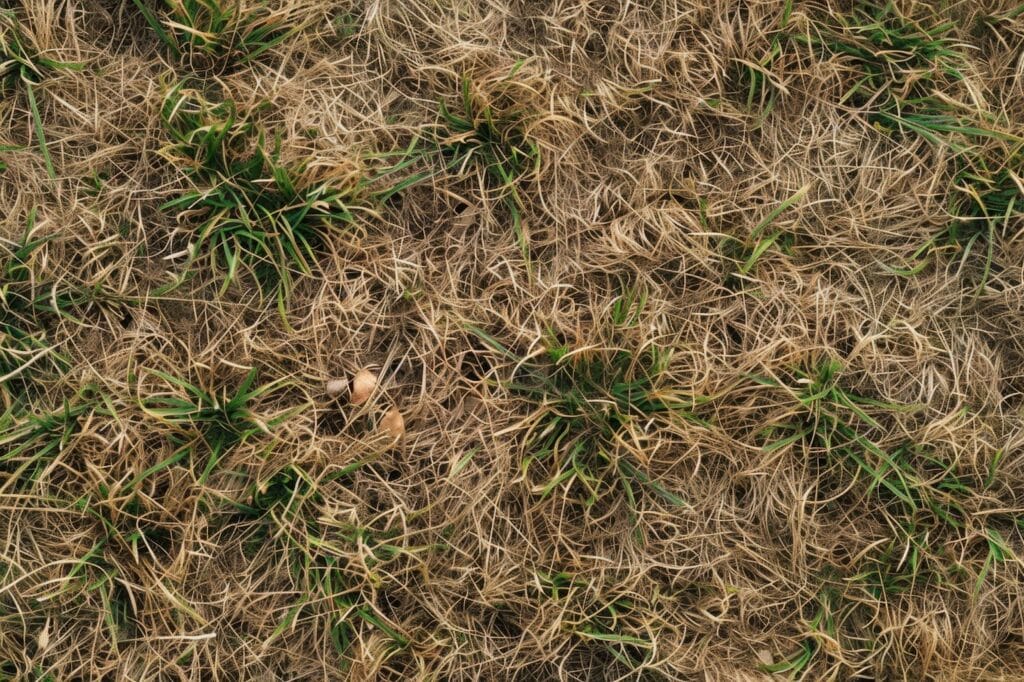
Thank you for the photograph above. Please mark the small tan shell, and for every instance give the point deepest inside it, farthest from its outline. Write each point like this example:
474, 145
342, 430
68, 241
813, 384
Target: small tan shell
336, 387
393, 424
363, 384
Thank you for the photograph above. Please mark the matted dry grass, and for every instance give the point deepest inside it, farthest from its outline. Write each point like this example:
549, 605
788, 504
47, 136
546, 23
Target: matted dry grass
815, 470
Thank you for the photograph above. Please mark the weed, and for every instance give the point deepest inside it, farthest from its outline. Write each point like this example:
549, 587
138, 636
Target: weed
745, 253
756, 77
822, 624
317, 550
255, 213
474, 135
31, 442
588, 403
217, 34
21, 64
209, 421
609, 623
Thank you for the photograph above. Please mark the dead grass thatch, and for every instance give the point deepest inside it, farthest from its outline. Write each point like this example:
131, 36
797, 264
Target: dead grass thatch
688, 336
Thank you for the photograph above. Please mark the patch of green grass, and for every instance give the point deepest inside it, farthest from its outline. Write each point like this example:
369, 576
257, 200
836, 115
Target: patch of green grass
253, 213
899, 61
474, 135
628, 307
611, 623
29, 302
900, 67
589, 405
7, 148
994, 20
217, 34
123, 526
23, 340
285, 508
900, 567
22, 66
346, 24
30, 441
207, 422
745, 253
97, 572
923, 499
823, 623
988, 196
917, 551
755, 77
834, 421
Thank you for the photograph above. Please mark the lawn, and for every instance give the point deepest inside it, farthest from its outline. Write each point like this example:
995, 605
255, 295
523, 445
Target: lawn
456, 340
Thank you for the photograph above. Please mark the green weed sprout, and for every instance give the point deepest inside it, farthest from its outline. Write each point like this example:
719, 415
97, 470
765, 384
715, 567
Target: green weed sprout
21, 65
208, 422
218, 33
586, 403
474, 135
283, 507
254, 213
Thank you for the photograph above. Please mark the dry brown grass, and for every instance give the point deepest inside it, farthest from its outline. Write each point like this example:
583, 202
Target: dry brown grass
315, 547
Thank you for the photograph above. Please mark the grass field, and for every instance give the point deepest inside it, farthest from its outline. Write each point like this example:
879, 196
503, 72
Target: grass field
530, 340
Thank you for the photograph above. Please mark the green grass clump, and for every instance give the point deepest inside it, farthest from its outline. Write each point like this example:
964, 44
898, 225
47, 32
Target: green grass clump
28, 303
588, 405
989, 193
922, 499
899, 61
217, 34
99, 573
7, 148
611, 623
254, 213
847, 608
936, 512
122, 528
745, 253
903, 72
29, 441
834, 421
21, 65
285, 510
755, 76
900, 66
475, 135
822, 624
207, 422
